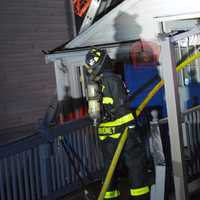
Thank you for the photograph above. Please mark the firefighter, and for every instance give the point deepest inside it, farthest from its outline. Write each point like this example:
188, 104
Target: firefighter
115, 117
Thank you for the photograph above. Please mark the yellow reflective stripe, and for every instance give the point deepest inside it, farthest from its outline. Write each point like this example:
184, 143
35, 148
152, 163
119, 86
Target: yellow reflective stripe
107, 100
96, 58
93, 50
112, 194
115, 136
122, 120
102, 137
139, 191
106, 130
110, 131
98, 53
103, 87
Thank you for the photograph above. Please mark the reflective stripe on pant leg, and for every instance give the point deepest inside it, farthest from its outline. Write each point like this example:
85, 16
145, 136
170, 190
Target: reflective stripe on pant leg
139, 191
112, 194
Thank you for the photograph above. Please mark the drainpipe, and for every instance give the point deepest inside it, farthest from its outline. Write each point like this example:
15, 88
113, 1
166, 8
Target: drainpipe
73, 20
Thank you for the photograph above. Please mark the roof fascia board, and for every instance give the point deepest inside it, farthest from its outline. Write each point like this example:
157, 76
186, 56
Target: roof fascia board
184, 16
116, 51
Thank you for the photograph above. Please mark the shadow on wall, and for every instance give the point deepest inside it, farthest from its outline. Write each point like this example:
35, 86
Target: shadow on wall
126, 28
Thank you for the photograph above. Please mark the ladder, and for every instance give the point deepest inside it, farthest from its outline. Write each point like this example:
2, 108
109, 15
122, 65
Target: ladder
89, 8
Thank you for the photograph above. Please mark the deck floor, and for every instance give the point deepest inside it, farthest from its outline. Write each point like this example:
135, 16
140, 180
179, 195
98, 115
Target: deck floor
95, 189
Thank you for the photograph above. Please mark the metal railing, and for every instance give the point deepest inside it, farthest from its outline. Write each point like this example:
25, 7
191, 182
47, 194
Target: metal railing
34, 169
191, 136
191, 128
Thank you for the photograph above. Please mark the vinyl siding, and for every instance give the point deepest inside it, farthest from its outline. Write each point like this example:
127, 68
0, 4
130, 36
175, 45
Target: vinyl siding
26, 82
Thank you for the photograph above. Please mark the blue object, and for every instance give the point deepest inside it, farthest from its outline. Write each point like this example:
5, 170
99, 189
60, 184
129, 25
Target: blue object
135, 77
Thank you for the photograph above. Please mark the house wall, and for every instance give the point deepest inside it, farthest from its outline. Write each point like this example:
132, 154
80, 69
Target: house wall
27, 84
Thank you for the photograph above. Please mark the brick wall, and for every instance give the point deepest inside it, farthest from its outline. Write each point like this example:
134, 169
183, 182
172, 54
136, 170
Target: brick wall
26, 82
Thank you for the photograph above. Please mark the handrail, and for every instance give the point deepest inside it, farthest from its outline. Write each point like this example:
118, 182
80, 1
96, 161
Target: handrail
37, 139
165, 120
21, 145
60, 130
191, 110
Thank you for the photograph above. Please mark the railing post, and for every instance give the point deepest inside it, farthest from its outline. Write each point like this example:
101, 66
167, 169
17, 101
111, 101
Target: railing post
174, 119
43, 169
